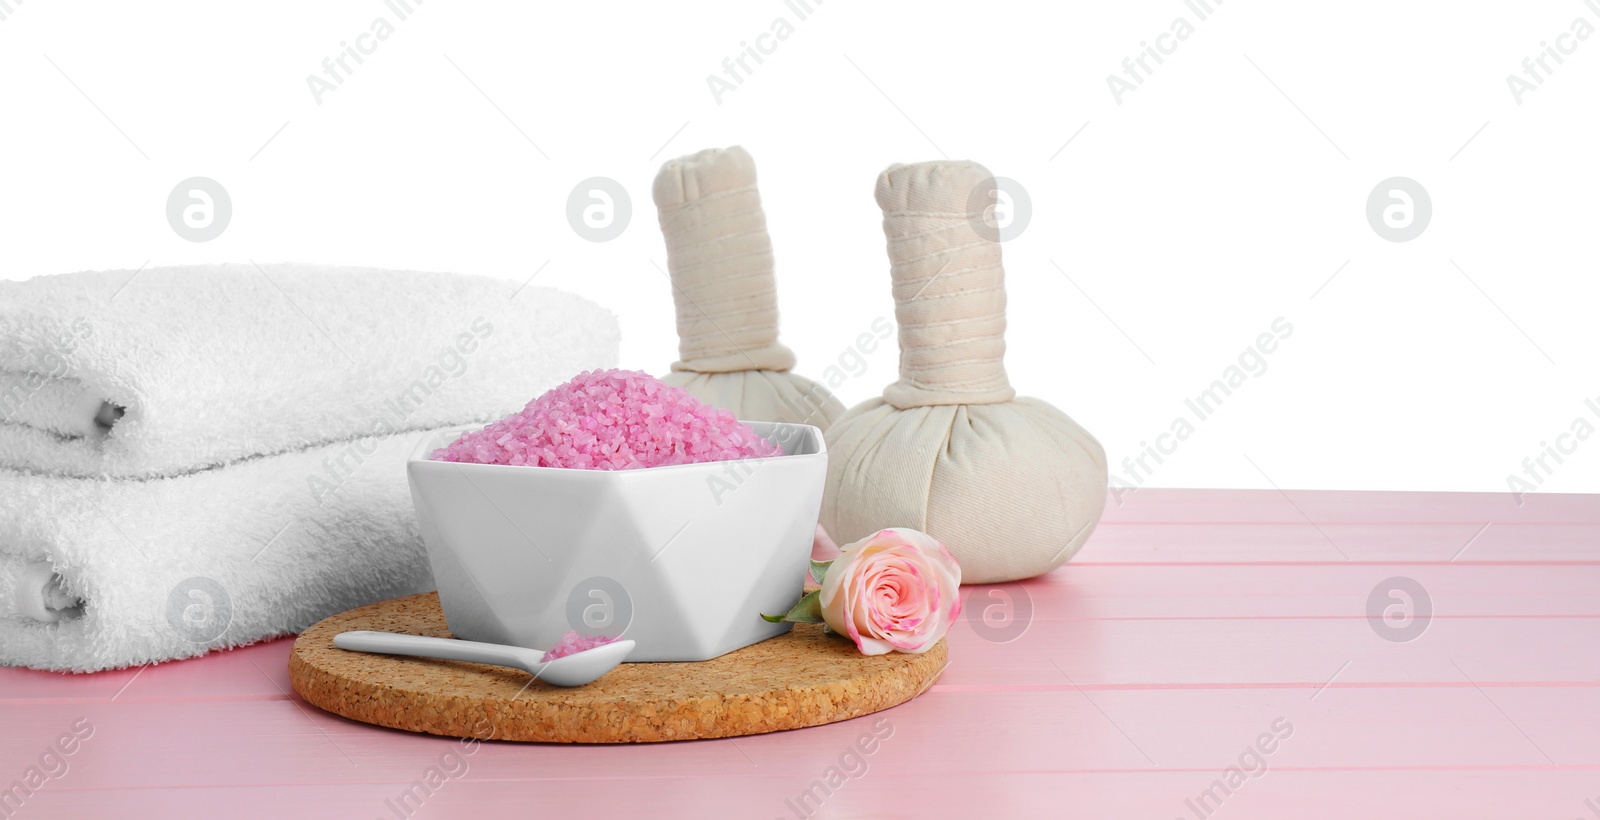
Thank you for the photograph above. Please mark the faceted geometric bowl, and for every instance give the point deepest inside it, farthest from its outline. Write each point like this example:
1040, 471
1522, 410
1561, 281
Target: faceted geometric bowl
682, 559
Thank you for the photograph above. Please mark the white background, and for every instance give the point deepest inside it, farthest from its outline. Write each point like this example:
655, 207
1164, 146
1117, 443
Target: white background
1222, 194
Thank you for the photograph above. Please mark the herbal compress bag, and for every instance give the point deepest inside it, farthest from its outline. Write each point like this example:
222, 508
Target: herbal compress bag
1011, 485
720, 259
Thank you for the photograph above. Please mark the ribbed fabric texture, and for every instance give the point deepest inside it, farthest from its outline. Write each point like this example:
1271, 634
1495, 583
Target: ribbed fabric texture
949, 288
719, 256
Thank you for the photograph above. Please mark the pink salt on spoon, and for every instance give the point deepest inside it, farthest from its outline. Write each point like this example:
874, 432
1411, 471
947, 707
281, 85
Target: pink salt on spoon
572, 643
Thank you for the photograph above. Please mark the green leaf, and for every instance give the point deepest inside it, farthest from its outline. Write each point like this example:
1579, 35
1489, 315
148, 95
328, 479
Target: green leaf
808, 610
819, 570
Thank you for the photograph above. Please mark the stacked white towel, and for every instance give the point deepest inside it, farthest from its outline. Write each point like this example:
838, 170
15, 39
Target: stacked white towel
207, 456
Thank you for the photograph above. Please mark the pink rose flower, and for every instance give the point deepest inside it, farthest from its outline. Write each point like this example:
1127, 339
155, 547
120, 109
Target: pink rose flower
895, 590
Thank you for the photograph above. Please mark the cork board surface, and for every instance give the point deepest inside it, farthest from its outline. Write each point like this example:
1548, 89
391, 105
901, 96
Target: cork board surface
803, 678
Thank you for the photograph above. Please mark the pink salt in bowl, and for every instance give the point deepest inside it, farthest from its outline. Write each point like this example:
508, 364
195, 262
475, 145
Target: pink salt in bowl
681, 559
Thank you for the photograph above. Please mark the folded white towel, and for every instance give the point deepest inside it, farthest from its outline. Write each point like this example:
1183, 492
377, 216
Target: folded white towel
172, 370
200, 457
98, 574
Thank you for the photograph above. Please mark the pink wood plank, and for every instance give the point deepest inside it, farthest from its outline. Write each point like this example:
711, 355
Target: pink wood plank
1160, 505
1276, 652
1123, 591
1193, 729
1065, 731
262, 742
18, 685
1265, 635
1332, 543
1277, 792
231, 674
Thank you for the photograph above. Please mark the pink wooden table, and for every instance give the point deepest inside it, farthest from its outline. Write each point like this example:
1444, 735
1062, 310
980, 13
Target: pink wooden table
1198, 631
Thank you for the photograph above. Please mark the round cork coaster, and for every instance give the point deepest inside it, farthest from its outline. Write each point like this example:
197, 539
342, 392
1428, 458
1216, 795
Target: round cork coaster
803, 678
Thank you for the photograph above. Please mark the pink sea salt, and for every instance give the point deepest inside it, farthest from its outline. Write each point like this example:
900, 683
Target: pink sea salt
611, 420
572, 643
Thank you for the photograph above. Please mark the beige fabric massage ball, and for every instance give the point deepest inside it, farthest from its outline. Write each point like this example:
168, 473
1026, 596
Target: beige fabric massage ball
1011, 485
720, 259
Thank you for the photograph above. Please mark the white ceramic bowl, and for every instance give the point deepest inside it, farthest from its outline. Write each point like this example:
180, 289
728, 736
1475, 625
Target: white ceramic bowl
682, 559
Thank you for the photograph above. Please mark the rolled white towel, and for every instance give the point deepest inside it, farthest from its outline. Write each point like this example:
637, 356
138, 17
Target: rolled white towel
100, 574
169, 371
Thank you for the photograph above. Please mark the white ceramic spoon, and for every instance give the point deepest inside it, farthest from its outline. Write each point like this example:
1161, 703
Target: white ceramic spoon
576, 669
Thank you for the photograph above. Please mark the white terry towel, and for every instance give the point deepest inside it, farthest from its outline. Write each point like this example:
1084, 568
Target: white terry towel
100, 574
171, 370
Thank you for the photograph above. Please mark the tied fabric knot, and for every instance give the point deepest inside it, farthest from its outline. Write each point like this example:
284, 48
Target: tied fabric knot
719, 257
950, 303
720, 263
